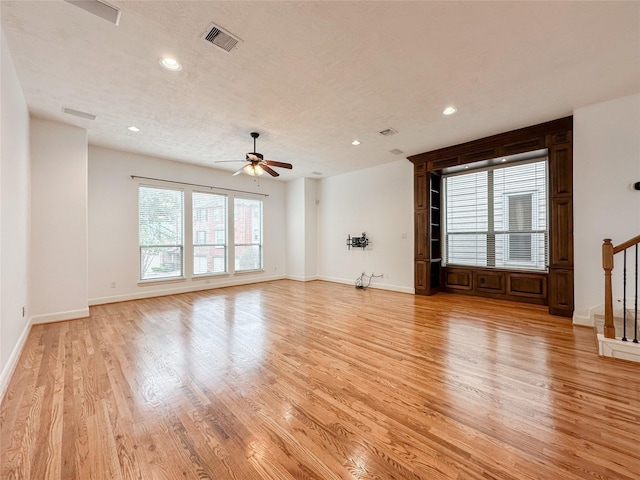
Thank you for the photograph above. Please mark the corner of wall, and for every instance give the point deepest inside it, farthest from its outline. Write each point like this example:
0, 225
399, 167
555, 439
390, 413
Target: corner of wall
12, 362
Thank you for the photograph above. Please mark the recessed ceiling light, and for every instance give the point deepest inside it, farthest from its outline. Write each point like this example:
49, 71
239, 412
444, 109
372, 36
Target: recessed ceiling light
450, 110
355, 142
133, 129
170, 64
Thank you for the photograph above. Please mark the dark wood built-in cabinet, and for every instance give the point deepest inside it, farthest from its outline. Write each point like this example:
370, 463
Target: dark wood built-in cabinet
553, 288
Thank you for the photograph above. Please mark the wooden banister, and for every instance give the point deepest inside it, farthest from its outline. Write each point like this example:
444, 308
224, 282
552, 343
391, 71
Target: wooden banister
625, 245
607, 265
608, 251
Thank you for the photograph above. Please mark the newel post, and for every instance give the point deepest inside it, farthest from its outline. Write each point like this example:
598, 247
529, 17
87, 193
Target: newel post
607, 265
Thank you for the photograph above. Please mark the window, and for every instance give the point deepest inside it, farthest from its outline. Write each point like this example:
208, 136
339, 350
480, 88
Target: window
214, 222
247, 227
160, 221
210, 238
497, 217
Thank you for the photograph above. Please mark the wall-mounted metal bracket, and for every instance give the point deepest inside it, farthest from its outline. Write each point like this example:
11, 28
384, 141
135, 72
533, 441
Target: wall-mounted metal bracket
358, 242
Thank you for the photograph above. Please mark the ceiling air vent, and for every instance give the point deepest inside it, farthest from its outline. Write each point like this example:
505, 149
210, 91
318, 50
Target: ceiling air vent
221, 39
78, 113
99, 9
388, 132
396, 151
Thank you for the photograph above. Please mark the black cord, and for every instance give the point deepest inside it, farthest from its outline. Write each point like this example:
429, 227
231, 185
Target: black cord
361, 279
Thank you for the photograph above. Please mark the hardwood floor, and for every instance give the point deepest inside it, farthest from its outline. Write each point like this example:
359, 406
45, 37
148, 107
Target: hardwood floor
289, 380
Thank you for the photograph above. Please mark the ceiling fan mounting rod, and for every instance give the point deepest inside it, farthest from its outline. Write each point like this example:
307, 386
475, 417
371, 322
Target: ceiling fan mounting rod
254, 135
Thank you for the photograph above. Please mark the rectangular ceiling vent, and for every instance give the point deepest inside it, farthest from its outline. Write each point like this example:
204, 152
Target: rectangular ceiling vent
388, 132
396, 151
99, 9
78, 113
221, 39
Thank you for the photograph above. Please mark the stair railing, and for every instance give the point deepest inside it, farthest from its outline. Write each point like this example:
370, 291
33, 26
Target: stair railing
608, 251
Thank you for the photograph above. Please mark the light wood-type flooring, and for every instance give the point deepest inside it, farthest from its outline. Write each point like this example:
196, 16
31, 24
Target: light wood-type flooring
291, 380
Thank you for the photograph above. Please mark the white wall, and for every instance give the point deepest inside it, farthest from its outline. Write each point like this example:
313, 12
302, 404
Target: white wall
58, 221
113, 224
606, 164
311, 228
378, 201
302, 233
14, 217
295, 229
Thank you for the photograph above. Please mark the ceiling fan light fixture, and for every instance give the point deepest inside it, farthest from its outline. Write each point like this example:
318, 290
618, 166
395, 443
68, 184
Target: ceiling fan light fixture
253, 170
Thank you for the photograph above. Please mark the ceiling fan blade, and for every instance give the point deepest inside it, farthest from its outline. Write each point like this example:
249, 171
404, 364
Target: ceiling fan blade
238, 172
273, 163
270, 171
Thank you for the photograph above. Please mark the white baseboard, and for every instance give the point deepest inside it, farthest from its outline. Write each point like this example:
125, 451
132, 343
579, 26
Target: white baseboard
583, 320
616, 348
194, 287
298, 278
60, 316
10, 367
379, 286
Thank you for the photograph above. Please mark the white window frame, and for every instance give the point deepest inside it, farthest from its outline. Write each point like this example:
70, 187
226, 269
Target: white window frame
202, 215
258, 243
142, 270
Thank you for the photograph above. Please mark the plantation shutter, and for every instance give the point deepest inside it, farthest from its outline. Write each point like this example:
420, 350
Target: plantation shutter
497, 217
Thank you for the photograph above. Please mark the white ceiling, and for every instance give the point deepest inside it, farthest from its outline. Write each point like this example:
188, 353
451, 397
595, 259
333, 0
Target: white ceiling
313, 76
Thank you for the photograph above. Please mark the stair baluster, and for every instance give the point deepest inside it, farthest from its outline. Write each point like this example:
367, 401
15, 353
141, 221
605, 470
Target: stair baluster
635, 323
608, 251
624, 297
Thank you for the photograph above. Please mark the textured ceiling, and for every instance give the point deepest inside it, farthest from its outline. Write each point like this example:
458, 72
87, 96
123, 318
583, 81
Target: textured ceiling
313, 76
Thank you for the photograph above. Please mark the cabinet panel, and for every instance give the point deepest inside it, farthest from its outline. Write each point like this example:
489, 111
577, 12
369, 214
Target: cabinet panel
443, 163
561, 291
561, 245
421, 277
535, 143
420, 190
527, 285
484, 154
490, 282
561, 137
458, 279
421, 244
561, 170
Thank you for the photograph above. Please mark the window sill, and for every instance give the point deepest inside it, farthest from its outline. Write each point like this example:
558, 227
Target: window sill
243, 272
207, 276
156, 281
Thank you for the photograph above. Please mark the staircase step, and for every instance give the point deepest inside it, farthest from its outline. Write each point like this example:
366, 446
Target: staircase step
618, 322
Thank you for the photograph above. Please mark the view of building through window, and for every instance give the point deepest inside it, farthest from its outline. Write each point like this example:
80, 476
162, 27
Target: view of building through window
497, 217
161, 217
248, 234
210, 233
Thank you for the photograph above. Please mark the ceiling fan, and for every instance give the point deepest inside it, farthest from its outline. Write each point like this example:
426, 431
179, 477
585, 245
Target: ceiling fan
257, 164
